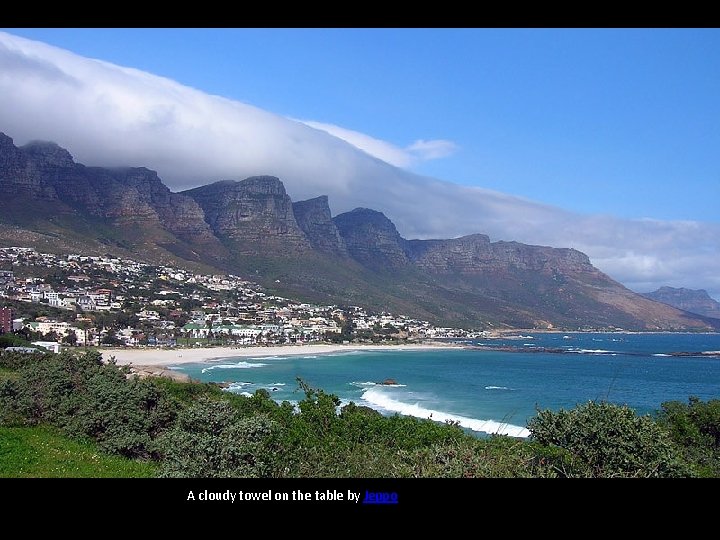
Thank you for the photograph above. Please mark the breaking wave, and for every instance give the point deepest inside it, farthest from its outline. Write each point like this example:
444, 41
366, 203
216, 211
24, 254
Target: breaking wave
239, 365
380, 400
370, 383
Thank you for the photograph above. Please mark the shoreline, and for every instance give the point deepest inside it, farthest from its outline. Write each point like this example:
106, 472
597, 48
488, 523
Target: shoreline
167, 357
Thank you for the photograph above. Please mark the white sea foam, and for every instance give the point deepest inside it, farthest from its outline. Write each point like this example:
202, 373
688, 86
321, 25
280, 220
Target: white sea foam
349, 353
308, 357
239, 365
246, 394
238, 386
591, 351
497, 388
376, 397
363, 384
370, 383
661, 354
278, 384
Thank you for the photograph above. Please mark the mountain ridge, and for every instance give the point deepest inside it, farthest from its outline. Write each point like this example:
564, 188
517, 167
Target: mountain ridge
252, 226
692, 300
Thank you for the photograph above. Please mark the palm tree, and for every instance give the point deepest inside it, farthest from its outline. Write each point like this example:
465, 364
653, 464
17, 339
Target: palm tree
208, 324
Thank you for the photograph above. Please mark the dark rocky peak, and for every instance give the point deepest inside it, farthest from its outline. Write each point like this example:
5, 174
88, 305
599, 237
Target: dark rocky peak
254, 185
48, 154
263, 185
471, 242
10, 155
144, 180
314, 218
6, 141
317, 205
698, 294
253, 212
371, 238
530, 257
692, 300
20, 175
464, 255
365, 219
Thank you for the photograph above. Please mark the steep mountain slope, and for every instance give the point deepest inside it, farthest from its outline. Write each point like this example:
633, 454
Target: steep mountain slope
314, 218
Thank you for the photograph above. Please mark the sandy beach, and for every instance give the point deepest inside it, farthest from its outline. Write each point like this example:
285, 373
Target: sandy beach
172, 357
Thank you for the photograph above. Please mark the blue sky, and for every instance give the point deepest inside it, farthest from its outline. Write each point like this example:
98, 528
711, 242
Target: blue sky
610, 121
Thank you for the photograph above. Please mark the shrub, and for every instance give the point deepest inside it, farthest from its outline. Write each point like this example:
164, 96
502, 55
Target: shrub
210, 440
695, 427
607, 440
87, 398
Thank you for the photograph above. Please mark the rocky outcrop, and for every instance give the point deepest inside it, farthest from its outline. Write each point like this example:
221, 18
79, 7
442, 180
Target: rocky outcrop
475, 254
19, 176
181, 215
692, 300
315, 220
255, 214
372, 239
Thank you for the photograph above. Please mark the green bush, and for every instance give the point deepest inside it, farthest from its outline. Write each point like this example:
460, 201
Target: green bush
607, 440
210, 440
695, 427
16, 360
87, 398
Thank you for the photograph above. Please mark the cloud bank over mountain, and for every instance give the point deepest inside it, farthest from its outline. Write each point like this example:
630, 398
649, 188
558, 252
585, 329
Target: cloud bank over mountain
116, 116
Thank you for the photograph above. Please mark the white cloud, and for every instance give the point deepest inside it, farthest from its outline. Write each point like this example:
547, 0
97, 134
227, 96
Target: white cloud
437, 149
110, 115
405, 158
370, 145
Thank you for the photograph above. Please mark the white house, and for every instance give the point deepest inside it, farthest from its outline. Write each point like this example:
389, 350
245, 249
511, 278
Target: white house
49, 345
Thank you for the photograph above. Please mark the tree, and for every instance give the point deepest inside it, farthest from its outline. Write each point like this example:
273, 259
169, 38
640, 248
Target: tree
70, 338
111, 339
209, 326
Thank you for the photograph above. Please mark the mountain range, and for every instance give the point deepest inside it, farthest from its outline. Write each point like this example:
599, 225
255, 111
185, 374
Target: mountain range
252, 228
693, 300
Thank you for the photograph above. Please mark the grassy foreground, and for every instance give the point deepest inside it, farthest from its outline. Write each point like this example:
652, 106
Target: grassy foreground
43, 452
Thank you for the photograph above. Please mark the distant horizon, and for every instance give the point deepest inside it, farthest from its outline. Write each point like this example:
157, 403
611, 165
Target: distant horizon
610, 131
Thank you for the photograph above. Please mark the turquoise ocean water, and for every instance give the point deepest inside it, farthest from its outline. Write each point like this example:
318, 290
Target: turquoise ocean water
491, 391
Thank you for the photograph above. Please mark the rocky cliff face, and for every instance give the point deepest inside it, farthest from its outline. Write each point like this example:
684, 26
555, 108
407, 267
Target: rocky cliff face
372, 239
19, 176
255, 214
143, 189
43, 171
692, 300
475, 254
315, 220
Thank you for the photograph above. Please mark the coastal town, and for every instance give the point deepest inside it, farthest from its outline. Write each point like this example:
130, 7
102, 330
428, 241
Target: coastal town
57, 301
